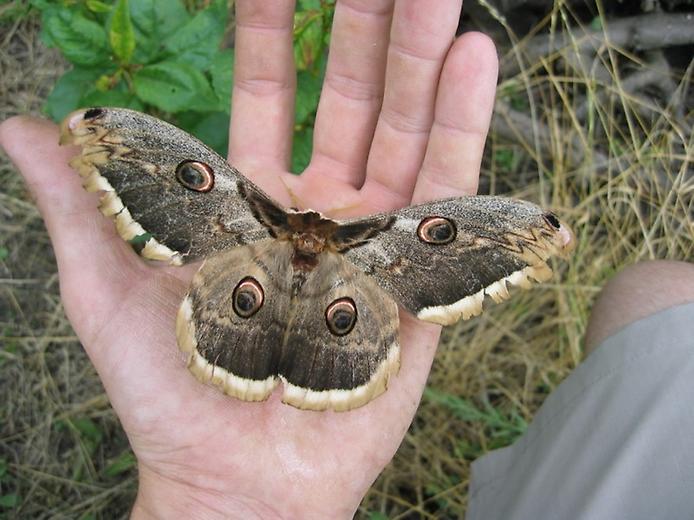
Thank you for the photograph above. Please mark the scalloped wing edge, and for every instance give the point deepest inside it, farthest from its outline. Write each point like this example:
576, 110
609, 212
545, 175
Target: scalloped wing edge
472, 305
110, 203
535, 255
339, 400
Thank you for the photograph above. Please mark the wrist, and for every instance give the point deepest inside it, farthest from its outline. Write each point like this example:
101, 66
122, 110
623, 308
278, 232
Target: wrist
162, 497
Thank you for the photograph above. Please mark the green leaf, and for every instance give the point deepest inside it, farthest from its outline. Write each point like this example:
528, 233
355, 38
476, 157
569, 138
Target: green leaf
222, 71
307, 95
18, 10
309, 5
111, 98
175, 87
44, 35
10, 348
153, 21
197, 41
596, 23
82, 41
9, 501
506, 159
4, 253
96, 6
301, 149
308, 39
504, 427
67, 92
158, 18
121, 33
211, 129
88, 430
41, 5
121, 464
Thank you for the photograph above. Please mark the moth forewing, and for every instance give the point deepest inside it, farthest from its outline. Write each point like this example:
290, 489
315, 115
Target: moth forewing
293, 297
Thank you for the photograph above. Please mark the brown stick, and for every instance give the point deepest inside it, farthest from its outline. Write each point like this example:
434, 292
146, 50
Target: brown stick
519, 127
657, 73
505, 6
645, 32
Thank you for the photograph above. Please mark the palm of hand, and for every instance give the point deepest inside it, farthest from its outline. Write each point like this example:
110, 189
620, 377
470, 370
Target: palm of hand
125, 316
412, 137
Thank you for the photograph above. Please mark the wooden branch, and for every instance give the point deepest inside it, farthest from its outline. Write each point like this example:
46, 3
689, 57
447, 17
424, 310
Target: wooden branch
520, 128
505, 6
645, 32
657, 73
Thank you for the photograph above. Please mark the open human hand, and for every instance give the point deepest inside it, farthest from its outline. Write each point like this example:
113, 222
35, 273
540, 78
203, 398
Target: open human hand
402, 119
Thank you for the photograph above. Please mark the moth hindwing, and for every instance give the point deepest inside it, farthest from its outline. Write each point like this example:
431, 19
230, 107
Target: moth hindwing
294, 297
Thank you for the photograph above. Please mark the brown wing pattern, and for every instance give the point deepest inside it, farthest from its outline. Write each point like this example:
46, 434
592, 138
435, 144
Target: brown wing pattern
287, 337
323, 320
323, 370
483, 243
139, 162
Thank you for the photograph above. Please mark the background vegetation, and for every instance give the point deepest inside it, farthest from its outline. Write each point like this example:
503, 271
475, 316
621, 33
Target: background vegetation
593, 119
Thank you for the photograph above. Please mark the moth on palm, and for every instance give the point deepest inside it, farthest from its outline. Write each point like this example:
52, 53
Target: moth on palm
293, 296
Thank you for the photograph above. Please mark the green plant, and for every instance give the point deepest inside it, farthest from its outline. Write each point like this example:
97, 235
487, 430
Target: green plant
7, 500
160, 57
14, 10
312, 23
501, 427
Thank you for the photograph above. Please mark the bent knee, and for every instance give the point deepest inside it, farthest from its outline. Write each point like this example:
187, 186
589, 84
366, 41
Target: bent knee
638, 291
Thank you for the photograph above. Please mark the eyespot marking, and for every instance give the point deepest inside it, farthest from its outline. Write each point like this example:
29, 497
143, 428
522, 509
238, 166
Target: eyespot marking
248, 297
93, 113
341, 316
195, 175
552, 220
436, 230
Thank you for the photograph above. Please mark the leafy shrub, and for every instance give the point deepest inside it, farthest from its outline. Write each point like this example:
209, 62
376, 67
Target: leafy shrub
168, 59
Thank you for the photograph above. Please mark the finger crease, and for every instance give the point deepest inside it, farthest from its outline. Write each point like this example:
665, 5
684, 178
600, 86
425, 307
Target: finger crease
264, 27
401, 122
263, 87
402, 50
360, 8
353, 88
458, 129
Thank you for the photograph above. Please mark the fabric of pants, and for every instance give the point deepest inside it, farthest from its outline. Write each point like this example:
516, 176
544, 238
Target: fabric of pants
614, 441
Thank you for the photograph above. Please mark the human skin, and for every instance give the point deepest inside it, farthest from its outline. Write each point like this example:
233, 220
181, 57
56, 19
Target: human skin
636, 292
403, 118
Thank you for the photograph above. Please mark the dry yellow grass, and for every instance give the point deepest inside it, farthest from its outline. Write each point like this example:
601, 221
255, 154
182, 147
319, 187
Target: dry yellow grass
573, 134
618, 167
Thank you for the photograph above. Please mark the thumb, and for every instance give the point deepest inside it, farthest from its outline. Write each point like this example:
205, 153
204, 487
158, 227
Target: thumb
92, 259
